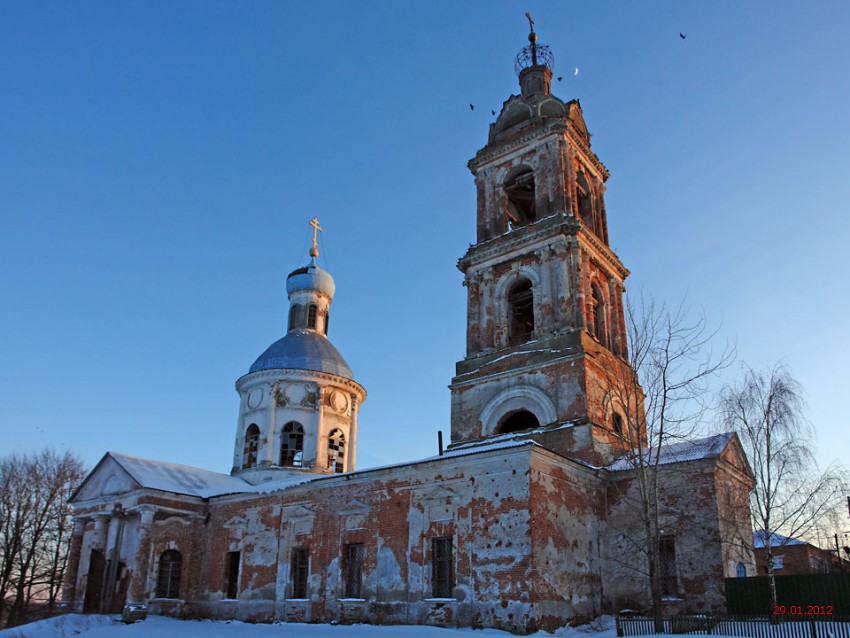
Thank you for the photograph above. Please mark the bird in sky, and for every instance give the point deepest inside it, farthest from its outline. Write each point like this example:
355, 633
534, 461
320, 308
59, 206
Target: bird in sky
560, 78
471, 107
492, 111
682, 35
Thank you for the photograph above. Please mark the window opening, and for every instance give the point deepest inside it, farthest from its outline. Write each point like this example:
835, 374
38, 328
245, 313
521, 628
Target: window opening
667, 580
336, 451
292, 317
521, 207
168, 579
618, 424
741, 570
252, 443
327, 320
442, 579
231, 575
597, 316
312, 313
521, 420
354, 553
292, 445
583, 201
300, 571
521, 305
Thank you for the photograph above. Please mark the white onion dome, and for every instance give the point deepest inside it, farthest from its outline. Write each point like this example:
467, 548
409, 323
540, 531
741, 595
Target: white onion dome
311, 277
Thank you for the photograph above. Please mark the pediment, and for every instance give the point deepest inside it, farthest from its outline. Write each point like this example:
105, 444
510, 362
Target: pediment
108, 478
438, 494
354, 507
735, 455
295, 512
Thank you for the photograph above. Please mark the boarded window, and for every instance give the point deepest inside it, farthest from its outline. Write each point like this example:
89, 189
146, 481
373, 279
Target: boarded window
168, 576
231, 575
252, 444
667, 571
300, 571
336, 451
353, 563
521, 309
442, 576
292, 445
312, 314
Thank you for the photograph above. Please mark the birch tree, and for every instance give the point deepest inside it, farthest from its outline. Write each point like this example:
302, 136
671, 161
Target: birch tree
791, 496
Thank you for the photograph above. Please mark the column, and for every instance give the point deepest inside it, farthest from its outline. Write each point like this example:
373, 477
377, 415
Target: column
472, 315
352, 434
136, 606
69, 586
547, 308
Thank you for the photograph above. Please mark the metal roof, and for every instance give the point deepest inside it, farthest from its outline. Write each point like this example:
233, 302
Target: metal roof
303, 350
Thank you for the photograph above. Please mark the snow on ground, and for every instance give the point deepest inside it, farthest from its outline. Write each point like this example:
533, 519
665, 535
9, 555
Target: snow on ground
91, 626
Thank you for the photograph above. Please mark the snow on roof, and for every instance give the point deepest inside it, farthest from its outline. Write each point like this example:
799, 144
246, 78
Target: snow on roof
705, 448
180, 479
776, 540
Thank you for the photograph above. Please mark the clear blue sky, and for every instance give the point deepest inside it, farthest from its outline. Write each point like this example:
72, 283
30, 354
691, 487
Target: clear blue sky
159, 162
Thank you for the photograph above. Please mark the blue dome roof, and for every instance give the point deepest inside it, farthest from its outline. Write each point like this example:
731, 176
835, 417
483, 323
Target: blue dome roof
303, 350
311, 277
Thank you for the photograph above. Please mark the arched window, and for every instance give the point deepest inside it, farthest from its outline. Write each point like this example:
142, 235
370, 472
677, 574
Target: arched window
521, 312
519, 190
597, 316
252, 443
312, 313
617, 423
583, 201
292, 445
327, 320
336, 451
741, 570
521, 420
291, 318
168, 577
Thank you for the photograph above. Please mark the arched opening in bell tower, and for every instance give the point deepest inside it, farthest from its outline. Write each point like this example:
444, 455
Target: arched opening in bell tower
521, 312
521, 206
292, 445
252, 444
516, 421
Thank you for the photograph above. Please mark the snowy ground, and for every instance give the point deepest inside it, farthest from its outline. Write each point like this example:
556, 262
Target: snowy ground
158, 627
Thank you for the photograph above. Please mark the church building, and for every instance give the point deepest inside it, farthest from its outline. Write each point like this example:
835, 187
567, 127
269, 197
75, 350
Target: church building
529, 519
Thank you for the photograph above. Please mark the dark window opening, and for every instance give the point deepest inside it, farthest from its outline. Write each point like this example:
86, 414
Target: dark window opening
168, 578
292, 445
312, 313
231, 575
522, 420
521, 309
521, 207
336, 451
667, 580
442, 577
292, 312
583, 201
353, 564
327, 320
252, 444
617, 421
300, 572
597, 316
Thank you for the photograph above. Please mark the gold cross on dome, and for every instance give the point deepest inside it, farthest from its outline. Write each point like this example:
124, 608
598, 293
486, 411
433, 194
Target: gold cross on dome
314, 251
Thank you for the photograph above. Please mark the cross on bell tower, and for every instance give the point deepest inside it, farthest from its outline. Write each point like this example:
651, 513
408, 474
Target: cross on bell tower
545, 319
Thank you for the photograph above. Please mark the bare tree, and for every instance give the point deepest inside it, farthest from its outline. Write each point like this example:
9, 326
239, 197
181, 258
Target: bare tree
35, 524
790, 496
663, 403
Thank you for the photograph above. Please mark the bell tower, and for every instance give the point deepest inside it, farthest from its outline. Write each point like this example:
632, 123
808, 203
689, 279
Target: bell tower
546, 333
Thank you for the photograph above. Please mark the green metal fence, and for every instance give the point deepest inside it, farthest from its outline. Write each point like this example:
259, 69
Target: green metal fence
803, 595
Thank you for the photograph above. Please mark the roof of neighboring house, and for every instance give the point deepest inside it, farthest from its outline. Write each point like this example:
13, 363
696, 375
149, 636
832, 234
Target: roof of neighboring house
776, 540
